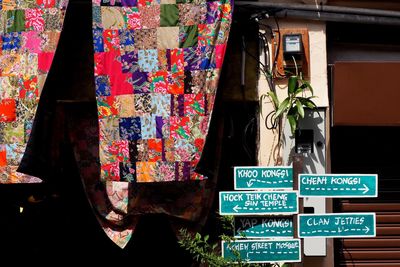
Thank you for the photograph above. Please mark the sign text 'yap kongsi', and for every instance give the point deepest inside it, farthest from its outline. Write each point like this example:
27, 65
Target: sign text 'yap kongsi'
337, 225
263, 251
338, 185
258, 177
258, 202
263, 227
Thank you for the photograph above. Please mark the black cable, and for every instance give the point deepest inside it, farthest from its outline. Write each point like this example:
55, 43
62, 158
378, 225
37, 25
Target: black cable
267, 70
277, 50
272, 120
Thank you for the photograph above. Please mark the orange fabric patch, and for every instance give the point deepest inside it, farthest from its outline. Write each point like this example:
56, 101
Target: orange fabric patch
7, 110
145, 171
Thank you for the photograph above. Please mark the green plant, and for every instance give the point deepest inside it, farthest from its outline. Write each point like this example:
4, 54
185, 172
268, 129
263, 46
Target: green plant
200, 249
294, 104
208, 253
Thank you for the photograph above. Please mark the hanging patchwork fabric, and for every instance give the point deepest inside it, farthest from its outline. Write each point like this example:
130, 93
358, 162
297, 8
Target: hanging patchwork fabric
30, 31
156, 70
157, 65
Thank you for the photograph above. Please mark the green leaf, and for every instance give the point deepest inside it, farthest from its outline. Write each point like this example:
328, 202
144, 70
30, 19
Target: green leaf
274, 98
292, 122
312, 103
260, 104
307, 85
300, 108
282, 107
307, 102
298, 91
292, 84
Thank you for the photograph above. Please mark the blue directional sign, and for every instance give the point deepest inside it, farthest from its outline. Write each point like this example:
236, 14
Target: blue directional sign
338, 185
258, 203
247, 178
263, 251
337, 225
263, 227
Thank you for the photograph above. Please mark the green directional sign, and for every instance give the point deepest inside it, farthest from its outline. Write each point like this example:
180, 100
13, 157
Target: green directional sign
258, 203
263, 227
337, 225
338, 185
247, 178
263, 251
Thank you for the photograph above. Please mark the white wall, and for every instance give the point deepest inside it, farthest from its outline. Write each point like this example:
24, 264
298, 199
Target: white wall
269, 152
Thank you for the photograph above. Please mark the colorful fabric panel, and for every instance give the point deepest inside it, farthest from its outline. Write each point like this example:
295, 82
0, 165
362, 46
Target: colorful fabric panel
157, 65
29, 33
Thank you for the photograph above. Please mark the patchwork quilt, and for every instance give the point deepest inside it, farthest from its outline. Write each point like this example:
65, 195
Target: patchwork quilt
157, 65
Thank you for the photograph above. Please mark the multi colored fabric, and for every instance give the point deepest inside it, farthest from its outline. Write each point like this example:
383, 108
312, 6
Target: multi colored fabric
157, 65
29, 32
119, 205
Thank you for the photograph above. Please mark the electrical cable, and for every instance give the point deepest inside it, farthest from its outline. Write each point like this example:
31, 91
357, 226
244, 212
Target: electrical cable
271, 122
267, 70
274, 66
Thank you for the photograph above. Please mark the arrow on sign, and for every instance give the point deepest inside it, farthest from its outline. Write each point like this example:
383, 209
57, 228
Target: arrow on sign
365, 189
366, 229
250, 182
263, 231
236, 208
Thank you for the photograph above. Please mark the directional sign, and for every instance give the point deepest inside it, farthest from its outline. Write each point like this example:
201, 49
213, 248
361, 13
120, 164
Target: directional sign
338, 185
263, 227
263, 251
246, 178
258, 203
337, 225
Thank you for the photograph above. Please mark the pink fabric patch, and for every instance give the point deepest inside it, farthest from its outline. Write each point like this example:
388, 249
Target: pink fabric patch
31, 41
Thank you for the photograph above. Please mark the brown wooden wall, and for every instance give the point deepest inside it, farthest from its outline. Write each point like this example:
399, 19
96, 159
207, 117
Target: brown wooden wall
366, 93
370, 150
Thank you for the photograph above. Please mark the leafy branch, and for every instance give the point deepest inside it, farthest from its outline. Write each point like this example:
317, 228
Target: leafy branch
208, 253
